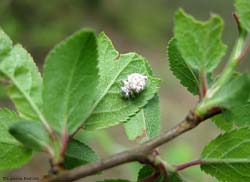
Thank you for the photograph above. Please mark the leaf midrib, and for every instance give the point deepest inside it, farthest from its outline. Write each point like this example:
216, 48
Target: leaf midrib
145, 124
225, 161
70, 81
107, 89
27, 97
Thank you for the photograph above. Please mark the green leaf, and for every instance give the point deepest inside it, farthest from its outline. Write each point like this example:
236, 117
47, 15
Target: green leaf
147, 171
243, 11
234, 93
146, 123
227, 157
240, 115
199, 42
188, 77
114, 180
78, 154
175, 177
222, 123
32, 134
13, 154
110, 108
70, 81
26, 83
5, 44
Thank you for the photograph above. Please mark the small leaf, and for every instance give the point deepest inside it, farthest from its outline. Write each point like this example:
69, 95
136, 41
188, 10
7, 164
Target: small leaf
70, 81
78, 154
222, 123
147, 171
227, 156
232, 94
188, 77
110, 108
199, 42
32, 134
175, 177
240, 115
146, 123
5, 44
13, 154
26, 82
243, 10
114, 180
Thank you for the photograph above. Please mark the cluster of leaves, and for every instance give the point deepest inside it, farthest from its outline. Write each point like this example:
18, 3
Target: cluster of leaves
194, 53
80, 88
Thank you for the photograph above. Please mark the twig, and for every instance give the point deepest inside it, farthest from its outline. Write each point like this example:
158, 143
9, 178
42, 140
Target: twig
237, 21
188, 164
76, 131
203, 85
140, 153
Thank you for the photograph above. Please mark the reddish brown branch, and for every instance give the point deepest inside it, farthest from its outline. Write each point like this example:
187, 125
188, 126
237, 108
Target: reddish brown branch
237, 21
140, 153
77, 130
189, 164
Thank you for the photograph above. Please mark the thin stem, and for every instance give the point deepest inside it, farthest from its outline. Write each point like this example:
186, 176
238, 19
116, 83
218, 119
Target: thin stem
237, 20
188, 164
237, 55
65, 140
76, 131
244, 51
49, 150
203, 84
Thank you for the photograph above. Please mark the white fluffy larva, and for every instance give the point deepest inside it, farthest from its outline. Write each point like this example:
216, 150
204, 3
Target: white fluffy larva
134, 84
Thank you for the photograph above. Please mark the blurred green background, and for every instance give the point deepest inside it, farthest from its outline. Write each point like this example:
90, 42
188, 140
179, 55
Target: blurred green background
143, 26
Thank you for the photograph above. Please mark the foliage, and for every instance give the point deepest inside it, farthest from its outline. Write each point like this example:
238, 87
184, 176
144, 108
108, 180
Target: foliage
13, 154
199, 42
31, 134
26, 83
70, 79
81, 89
228, 154
78, 88
114, 180
77, 154
188, 76
147, 171
109, 108
243, 9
